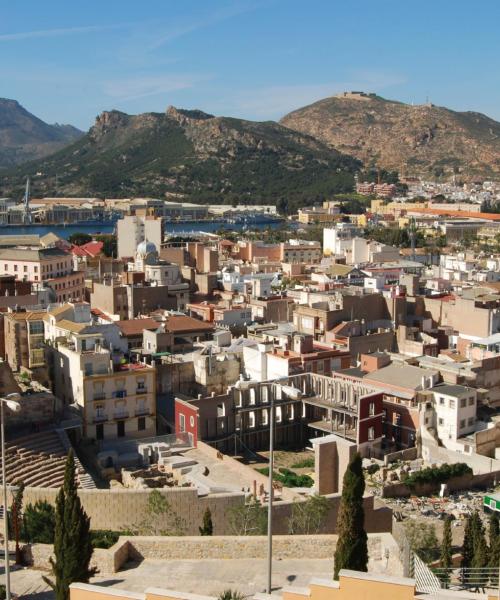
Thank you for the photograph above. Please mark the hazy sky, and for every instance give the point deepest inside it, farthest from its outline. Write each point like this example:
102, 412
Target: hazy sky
258, 59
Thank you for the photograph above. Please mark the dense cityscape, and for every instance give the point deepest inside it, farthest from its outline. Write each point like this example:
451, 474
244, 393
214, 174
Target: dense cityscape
247, 356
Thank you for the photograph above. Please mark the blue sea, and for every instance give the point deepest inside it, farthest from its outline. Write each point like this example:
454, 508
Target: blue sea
177, 228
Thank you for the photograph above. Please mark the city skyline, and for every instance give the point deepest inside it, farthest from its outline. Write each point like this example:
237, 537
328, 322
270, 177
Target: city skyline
255, 60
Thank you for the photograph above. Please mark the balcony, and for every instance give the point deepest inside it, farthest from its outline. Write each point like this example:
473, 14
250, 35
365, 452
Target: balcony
141, 412
100, 418
120, 414
120, 394
99, 396
141, 390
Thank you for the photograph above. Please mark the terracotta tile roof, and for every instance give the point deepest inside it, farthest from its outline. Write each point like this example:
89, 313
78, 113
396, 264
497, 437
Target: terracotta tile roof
71, 326
185, 324
37, 315
137, 326
91, 249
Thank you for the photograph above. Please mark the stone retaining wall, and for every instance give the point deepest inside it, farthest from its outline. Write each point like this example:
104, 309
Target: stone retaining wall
122, 509
381, 548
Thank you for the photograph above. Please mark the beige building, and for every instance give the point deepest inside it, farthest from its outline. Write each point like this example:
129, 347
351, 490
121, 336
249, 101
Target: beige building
117, 398
24, 340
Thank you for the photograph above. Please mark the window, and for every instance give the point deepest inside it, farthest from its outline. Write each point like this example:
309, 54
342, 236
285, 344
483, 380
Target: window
25, 269
15, 267
471, 401
291, 412
221, 410
371, 433
279, 416
35, 269
182, 423
441, 422
463, 402
99, 431
371, 409
470, 421
441, 401
264, 417
452, 403
141, 424
462, 423
251, 419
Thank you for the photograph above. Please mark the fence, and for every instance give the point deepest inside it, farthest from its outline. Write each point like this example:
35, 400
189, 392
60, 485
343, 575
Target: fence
429, 580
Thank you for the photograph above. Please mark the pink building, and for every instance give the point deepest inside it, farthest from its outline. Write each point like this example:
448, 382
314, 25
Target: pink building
51, 266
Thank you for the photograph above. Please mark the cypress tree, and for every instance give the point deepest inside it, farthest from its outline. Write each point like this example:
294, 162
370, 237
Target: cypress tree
468, 545
446, 552
480, 558
494, 538
352, 545
207, 528
72, 546
16, 521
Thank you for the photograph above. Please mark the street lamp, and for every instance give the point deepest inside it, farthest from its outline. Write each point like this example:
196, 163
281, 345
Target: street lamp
11, 401
295, 394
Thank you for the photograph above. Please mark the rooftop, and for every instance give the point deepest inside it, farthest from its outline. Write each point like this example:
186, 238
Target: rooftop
402, 376
137, 326
451, 390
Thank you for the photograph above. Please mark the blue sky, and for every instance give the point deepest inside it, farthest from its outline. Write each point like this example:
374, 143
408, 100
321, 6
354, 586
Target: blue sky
257, 59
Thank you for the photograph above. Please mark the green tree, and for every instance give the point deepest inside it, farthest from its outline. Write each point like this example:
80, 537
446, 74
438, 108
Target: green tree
79, 238
446, 559
308, 516
480, 558
248, 519
160, 518
72, 546
467, 546
207, 528
16, 520
110, 245
423, 540
352, 544
39, 523
494, 539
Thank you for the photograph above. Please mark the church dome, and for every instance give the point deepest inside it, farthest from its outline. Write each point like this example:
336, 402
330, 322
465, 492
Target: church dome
145, 248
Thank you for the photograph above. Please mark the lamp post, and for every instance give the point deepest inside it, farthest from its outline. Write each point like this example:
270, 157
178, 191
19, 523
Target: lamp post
11, 400
295, 394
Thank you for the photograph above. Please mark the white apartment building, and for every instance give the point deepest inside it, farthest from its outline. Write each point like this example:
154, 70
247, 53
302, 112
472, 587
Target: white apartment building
455, 408
132, 230
337, 239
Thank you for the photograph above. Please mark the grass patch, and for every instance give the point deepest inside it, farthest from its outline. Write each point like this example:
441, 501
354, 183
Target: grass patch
306, 463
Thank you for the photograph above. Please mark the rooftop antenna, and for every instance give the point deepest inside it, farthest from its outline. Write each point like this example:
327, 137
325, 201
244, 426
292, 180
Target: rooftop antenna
26, 203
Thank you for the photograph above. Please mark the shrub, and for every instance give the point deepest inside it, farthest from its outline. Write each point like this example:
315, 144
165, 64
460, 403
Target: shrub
231, 595
103, 538
288, 478
39, 523
437, 475
372, 469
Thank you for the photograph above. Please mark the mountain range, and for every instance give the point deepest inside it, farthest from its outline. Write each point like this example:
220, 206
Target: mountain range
311, 154
413, 140
24, 137
193, 155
